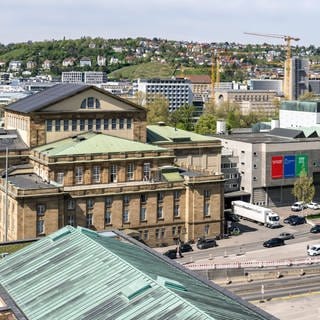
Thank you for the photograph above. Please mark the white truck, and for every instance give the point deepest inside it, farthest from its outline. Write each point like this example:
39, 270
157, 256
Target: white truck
256, 213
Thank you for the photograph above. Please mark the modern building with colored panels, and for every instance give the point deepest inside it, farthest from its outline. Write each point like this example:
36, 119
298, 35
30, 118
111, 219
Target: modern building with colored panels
101, 173
76, 273
270, 163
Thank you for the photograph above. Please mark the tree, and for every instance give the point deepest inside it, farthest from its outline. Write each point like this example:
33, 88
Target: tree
139, 98
303, 188
158, 110
206, 124
182, 118
308, 96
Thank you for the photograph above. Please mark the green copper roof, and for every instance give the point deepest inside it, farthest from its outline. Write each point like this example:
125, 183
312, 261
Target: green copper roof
162, 133
80, 274
94, 143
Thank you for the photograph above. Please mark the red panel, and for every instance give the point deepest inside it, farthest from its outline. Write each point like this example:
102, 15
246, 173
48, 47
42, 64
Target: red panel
277, 167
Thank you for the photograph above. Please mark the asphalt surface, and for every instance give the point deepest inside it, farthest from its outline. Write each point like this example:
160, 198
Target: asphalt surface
248, 246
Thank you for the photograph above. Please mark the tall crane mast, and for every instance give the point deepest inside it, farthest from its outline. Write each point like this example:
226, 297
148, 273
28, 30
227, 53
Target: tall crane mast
288, 40
215, 71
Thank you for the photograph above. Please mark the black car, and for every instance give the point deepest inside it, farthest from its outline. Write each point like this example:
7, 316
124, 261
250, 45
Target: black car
315, 228
291, 217
185, 247
274, 242
297, 220
206, 243
172, 253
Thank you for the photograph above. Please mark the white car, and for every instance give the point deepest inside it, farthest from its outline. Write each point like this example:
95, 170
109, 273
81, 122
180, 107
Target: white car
313, 205
298, 206
314, 250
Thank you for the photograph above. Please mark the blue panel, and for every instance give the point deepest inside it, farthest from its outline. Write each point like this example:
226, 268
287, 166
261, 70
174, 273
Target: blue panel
289, 166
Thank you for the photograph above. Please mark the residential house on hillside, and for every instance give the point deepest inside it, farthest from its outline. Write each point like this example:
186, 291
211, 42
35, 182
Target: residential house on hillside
85, 61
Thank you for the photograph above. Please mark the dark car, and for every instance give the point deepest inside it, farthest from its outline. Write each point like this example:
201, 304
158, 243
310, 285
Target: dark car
172, 253
185, 247
288, 219
315, 228
274, 242
206, 243
297, 220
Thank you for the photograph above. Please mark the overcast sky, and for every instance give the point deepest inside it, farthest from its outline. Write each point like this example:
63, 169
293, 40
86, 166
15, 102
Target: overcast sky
191, 20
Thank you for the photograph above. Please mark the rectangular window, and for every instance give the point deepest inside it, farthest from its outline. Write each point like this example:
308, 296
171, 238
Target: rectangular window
105, 124
176, 210
74, 125
70, 204
98, 124
163, 231
41, 209
60, 177
126, 200
108, 202
174, 230
129, 123
90, 204
146, 171
70, 220
90, 124
113, 173
206, 193
160, 197
121, 123
107, 216
79, 175
125, 216
40, 227
96, 173
207, 209
58, 125
114, 124
176, 195
130, 169
145, 234
143, 215
49, 125
157, 233
89, 220
65, 125
82, 124
143, 198
159, 212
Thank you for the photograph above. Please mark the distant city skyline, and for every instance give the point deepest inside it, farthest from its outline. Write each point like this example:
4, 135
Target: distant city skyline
189, 20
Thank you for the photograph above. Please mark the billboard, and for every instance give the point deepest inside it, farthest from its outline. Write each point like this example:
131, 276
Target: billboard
289, 166
301, 164
277, 167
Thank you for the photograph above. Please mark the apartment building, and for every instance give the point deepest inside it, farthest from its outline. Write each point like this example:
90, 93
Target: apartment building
89, 165
177, 91
88, 77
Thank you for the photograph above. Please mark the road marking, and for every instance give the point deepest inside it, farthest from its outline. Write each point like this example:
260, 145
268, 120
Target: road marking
293, 296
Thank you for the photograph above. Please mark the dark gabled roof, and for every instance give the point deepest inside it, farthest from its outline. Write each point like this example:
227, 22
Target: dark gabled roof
287, 133
55, 94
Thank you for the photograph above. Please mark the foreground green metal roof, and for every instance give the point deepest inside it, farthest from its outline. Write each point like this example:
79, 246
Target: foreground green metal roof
162, 133
94, 143
80, 274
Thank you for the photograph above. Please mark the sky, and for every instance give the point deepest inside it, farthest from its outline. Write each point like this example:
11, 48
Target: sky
188, 20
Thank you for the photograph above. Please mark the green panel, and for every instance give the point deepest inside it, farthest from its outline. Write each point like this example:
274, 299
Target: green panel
172, 176
301, 164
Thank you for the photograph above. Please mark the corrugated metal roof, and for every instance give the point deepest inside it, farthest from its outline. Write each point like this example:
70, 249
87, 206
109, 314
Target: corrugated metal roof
80, 274
94, 143
163, 133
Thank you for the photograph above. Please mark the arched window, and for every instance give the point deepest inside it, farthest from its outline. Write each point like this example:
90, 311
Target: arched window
90, 103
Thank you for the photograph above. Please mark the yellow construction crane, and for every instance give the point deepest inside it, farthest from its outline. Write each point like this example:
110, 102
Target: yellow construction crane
215, 71
287, 39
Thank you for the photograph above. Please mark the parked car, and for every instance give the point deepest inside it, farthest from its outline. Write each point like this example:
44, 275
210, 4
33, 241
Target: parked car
286, 236
185, 247
172, 253
206, 243
298, 206
274, 242
313, 205
314, 250
315, 228
297, 220
291, 217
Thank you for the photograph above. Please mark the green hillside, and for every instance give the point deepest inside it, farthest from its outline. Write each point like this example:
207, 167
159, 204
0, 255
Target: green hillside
143, 70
